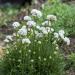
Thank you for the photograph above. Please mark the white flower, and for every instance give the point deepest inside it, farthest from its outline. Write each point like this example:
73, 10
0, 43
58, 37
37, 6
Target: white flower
39, 58
36, 32
39, 42
48, 29
27, 18
34, 52
52, 30
23, 27
29, 51
61, 33
50, 57
52, 17
45, 23
26, 40
32, 60
9, 37
19, 60
45, 59
22, 31
55, 52
39, 35
31, 23
56, 35
38, 27
43, 5
6, 40
14, 34
36, 12
57, 48
16, 24
44, 30
67, 40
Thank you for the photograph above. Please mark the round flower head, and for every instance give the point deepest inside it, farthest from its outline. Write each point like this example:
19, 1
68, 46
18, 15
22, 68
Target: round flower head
56, 35
36, 32
36, 12
48, 29
39, 35
45, 23
67, 40
52, 17
16, 24
22, 31
23, 27
61, 33
44, 30
52, 30
27, 18
38, 27
31, 24
9, 37
6, 40
26, 40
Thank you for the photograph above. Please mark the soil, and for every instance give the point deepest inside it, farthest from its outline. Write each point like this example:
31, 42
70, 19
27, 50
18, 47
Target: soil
67, 50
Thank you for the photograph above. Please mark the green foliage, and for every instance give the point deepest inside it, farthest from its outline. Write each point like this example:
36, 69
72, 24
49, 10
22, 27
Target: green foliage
21, 61
40, 57
7, 13
66, 16
71, 60
53, 1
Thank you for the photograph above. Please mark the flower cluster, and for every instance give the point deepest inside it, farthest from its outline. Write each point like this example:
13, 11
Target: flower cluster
22, 31
8, 38
27, 18
32, 27
61, 34
16, 24
35, 45
51, 17
37, 13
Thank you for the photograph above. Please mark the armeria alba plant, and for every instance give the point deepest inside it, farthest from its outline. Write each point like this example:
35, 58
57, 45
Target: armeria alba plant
65, 13
33, 48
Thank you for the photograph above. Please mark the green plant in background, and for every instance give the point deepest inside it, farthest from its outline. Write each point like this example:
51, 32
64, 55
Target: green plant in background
71, 60
7, 13
65, 13
33, 49
53, 1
